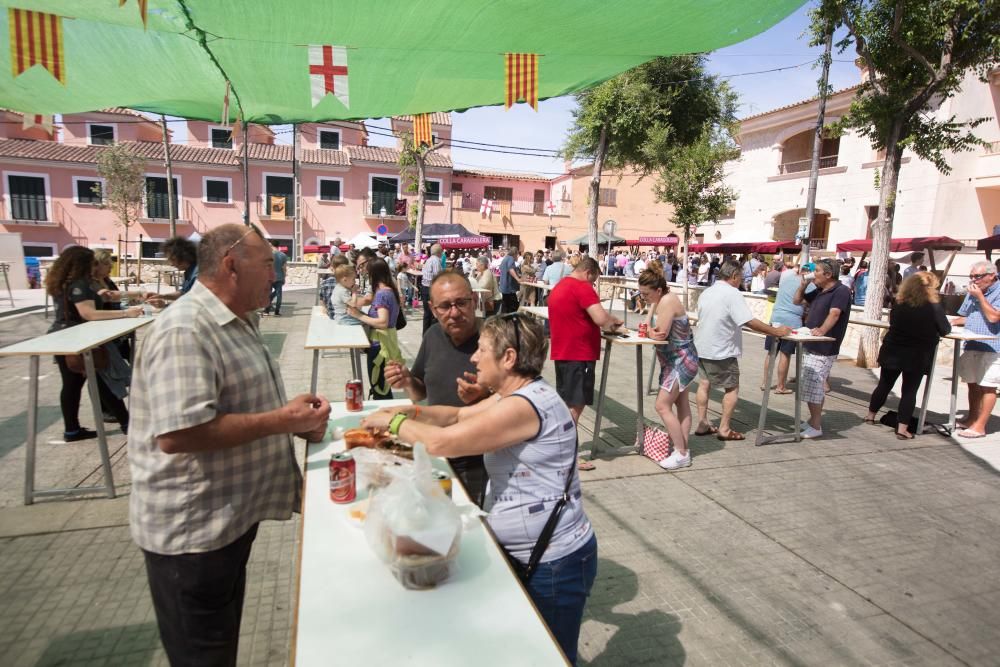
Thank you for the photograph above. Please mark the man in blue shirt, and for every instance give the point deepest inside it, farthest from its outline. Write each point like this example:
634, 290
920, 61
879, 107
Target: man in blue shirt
509, 281
979, 365
280, 260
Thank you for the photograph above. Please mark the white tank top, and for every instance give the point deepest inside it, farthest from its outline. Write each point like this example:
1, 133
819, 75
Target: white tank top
527, 479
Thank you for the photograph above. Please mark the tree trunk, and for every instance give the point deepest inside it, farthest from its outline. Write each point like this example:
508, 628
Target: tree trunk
817, 149
686, 263
595, 192
878, 264
421, 198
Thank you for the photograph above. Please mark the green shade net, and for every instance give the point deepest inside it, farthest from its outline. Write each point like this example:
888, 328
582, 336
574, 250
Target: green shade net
403, 56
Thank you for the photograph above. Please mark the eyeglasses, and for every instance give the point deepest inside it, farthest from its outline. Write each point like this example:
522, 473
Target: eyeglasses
517, 329
445, 308
977, 276
253, 228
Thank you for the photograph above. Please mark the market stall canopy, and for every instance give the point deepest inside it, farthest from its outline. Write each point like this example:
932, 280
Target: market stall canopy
315, 249
904, 245
743, 247
314, 60
774, 247
602, 239
363, 240
654, 240
434, 232
989, 243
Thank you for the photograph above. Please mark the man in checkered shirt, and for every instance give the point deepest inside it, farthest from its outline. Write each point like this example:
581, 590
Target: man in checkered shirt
210, 446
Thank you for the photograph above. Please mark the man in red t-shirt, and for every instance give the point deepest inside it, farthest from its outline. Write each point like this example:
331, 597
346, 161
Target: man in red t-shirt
576, 318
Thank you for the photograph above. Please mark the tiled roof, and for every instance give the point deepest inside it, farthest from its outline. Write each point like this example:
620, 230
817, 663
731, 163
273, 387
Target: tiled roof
127, 112
325, 156
796, 104
60, 152
502, 175
391, 155
272, 152
437, 118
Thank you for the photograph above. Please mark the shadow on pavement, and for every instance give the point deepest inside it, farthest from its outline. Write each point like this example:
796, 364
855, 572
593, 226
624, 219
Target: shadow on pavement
17, 426
126, 645
629, 643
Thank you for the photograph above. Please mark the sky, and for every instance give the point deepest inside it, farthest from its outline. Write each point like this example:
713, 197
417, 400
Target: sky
784, 45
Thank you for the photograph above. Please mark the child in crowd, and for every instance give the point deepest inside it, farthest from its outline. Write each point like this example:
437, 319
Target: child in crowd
343, 295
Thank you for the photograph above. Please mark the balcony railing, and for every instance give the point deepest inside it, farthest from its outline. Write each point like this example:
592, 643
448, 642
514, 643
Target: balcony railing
817, 244
158, 205
472, 201
28, 207
804, 165
379, 200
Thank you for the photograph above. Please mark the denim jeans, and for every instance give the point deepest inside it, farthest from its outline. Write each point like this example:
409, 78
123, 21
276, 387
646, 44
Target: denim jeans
560, 588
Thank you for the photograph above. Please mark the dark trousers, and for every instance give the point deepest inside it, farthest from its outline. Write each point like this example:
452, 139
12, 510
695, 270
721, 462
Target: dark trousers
72, 391
276, 290
907, 394
198, 600
509, 303
378, 380
425, 296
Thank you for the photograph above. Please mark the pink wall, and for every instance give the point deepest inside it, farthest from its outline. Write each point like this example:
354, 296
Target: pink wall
11, 125
127, 127
199, 134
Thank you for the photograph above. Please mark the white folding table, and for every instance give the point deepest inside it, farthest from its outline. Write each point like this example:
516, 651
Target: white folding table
326, 334
350, 610
79, 339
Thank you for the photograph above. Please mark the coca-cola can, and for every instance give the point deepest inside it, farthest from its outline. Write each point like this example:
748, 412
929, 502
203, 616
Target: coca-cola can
343, 478
643, 330
354, 396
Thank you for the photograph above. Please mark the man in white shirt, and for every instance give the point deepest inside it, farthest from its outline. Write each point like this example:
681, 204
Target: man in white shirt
640, 265
722, 314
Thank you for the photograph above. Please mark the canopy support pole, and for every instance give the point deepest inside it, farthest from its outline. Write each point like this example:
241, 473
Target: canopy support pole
246, 174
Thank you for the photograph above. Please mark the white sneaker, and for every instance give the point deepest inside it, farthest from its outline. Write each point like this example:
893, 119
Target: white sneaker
808, 432
676, 460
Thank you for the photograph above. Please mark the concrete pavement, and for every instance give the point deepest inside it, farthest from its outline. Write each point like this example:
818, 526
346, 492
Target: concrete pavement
849, 550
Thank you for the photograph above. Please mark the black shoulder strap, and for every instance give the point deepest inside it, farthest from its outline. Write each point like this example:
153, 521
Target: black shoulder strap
550, 526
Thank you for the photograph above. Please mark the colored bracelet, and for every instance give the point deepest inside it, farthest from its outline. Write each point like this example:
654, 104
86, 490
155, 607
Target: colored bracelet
395, 422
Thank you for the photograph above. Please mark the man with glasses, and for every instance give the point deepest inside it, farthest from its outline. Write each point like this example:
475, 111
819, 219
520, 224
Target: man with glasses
210, 446
829, 311
443, 372
979, 365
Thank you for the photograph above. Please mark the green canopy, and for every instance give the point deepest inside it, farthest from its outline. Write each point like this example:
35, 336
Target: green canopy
602, 239
402, 57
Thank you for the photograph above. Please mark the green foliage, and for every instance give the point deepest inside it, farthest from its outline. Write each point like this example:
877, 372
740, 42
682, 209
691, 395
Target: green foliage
648, 111
918, 52
693, 179
124, 174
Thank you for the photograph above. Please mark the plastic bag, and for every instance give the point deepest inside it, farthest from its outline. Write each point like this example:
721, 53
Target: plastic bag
377, 468
414, 527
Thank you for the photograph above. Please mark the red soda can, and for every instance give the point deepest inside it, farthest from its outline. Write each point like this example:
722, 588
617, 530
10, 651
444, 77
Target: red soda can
343, 479
643, 330
354, 396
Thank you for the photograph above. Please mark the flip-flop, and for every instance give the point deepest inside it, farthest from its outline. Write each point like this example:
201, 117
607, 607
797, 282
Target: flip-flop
732, 435
585, 465
784, 391
969, 433
711, 431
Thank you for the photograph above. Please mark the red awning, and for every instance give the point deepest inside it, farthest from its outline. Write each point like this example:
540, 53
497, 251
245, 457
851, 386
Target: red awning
738, 248
455, 242
989, 243
315, 248
774, 247
654, 240
904, 245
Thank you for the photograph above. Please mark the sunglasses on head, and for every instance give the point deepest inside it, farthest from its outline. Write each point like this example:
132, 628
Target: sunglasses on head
517, 329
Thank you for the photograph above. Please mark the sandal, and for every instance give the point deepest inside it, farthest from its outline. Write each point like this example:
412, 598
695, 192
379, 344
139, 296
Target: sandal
969, 433
732, 435
870, 422
711, 431
585, 465
904, 436
786, 390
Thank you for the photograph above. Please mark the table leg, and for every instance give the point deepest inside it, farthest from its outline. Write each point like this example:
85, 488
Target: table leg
798, 389
767, 393
361, 369
640, 420
29, 459
600, 397
318, 277
625, 306
650, 389
314, 382
927, 393
954, 388
102, 439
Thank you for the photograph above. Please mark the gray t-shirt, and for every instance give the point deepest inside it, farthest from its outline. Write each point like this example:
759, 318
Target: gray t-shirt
341, 295
722, 312
527, 479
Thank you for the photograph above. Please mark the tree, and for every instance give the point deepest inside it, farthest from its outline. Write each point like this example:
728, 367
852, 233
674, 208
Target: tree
413, 168
917, 53
124, 174
635, 118
693, 181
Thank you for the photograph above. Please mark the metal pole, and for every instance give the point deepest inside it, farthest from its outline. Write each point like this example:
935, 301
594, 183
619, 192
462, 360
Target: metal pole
296, 197
170, 179
246, 174
817, 147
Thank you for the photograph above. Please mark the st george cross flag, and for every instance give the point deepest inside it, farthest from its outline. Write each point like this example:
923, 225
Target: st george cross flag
328, 73
43, 121
486, 208
36, 38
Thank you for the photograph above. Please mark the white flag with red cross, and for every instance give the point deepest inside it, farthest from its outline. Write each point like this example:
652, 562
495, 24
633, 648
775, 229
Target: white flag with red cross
328, 73
486, 208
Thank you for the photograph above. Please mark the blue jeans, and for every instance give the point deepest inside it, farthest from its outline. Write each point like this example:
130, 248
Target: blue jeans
560, 588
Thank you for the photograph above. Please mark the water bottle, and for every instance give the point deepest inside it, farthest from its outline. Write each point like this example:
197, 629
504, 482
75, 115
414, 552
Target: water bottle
124, 300
147, 310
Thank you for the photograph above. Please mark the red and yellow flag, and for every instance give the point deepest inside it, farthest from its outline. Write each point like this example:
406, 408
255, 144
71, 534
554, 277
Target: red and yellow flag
36, 38
521, 79
422, 130
142, 10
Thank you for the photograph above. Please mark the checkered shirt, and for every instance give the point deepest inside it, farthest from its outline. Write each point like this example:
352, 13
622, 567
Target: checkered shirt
199, 360
976, 322
326, 292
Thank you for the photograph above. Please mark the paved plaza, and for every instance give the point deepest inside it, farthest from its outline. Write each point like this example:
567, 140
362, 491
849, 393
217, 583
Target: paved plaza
856, 549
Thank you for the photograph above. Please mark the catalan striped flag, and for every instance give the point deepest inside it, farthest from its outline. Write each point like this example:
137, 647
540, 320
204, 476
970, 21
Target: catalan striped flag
36, 38
422, 130
521, 79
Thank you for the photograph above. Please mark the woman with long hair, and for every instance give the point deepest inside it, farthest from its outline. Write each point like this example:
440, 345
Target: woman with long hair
70, 283
382, 316
485, 280
916, 323
678, 362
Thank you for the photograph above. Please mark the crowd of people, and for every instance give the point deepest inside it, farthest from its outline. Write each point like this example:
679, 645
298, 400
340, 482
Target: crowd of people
210, 434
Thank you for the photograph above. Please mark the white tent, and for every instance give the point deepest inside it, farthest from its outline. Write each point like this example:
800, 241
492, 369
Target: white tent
363, 240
